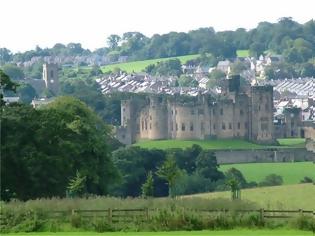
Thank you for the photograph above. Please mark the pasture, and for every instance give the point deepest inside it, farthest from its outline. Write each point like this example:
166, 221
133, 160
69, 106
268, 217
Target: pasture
288, 197
138, 66
233, 144
242, 53
292, 173
238, 232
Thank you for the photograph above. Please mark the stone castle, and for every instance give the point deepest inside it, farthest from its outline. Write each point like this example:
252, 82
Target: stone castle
235, 113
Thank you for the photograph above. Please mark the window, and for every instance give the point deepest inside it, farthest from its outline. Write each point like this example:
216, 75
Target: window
230, 126
200, 111
191, 126
150, 126
221, 111
214, 126
150, 117
213, 111
52, 74
142, 125
201, 126
259, 108
246, 125
223, 126
176, 126
183, 127
145, 124
171, 126
124, 109
175, 112
264, 126
238, 125
241, 112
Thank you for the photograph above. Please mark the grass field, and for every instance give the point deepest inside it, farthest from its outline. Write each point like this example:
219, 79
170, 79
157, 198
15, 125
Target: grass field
239, 232
138, 66
215, 144
291, 173
297, 142
242, 53
299, 196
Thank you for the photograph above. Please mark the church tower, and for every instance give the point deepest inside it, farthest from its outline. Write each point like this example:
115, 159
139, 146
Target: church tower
50, 76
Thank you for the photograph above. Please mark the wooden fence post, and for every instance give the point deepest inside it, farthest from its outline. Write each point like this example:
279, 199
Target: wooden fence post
110, 215
301, 212
147, 213
262, 214
72, 212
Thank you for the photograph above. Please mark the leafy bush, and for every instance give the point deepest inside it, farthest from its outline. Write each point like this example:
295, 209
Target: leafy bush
306, 180
272, 180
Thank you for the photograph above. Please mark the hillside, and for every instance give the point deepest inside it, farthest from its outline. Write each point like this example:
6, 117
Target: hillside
138, 66
299, 196
292, 173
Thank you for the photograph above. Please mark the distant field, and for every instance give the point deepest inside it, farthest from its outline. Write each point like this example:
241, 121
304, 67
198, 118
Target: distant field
138, 66
238, 232
214, 144
242, 53
299, 196
298, 142
291, 173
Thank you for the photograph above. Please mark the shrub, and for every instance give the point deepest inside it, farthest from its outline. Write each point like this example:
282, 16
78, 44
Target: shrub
76, 220
272, 180
305, 223
101, 225
306, 180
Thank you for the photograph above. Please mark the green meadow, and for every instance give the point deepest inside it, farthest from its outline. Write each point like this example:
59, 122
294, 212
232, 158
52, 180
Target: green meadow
233, 144
138, 66
292, 173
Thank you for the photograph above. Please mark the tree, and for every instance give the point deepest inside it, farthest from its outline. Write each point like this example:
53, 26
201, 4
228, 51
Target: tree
207, 166
113, 40
147, 187
6, 85
169, 172
26, 93
47, 146
272, 180
5, 56
77, 185
236, 175
13, 71
233, 183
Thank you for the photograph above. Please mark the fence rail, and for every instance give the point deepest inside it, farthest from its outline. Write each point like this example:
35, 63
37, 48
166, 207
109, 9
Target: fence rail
130, 215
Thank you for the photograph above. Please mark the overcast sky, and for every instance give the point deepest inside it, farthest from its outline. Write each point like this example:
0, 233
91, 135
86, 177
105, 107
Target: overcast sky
27, 23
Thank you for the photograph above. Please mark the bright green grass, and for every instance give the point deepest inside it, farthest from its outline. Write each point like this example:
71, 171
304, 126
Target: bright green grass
138, 66
238, 232
291, 173
292, 141
213, 144
242, 53
299, 196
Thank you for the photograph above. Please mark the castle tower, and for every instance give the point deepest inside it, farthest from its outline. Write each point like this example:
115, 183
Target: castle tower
261, 115
50, 76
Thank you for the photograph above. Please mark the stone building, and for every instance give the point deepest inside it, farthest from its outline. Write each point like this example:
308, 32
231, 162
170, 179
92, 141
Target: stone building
50, 76
235, 113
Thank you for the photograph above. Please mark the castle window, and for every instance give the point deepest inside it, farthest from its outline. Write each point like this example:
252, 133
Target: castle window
175, 112
201, 126
246, 125
213, 111
238, 125
241, 112
142, 125
214, 126
171, 126
124, 109
176, 126
221, 111
230, 126
150, 126
52, 74
183, 127
223, 125
191, 126
259, 108
200, 111
264, 126
145, 125
172, 112
150, 117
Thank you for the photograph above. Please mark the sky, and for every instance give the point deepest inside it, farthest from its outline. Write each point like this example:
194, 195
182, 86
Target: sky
27, 23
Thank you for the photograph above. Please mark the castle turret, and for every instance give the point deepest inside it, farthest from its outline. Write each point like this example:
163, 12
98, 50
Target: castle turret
158, 119
261, 111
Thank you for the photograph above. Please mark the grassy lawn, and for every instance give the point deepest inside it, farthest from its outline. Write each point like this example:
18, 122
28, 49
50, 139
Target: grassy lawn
239, 232
242, 53
138, 66
291, 173
215, 144
298, 142
299, 196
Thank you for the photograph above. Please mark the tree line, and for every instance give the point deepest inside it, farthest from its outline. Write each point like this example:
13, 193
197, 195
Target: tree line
287, 37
